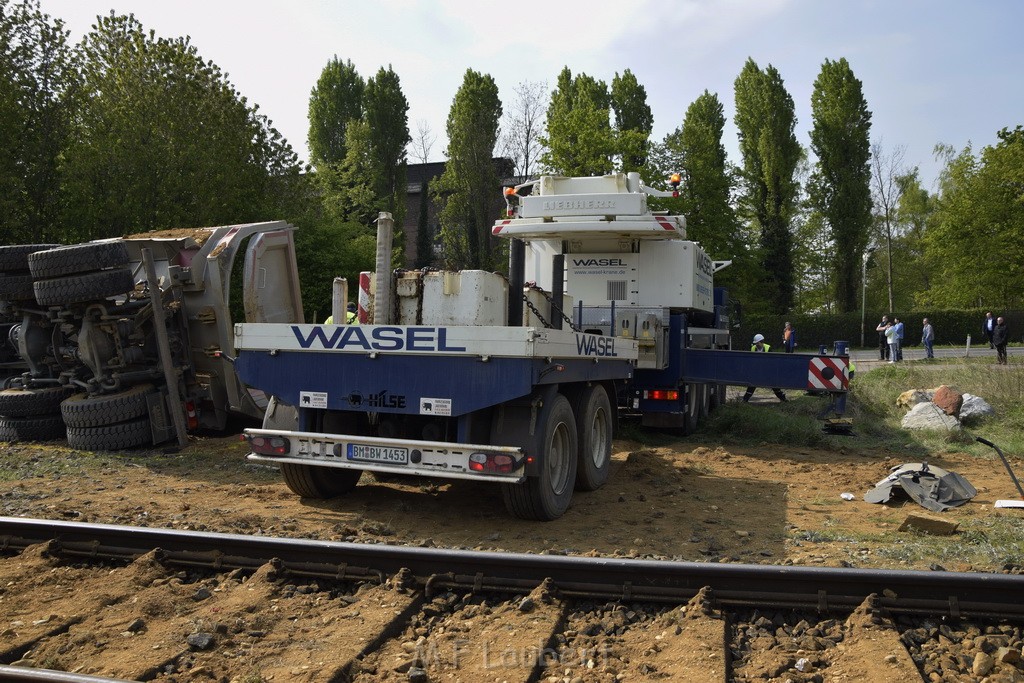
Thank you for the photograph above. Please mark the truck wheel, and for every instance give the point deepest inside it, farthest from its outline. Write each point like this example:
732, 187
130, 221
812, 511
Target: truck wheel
113, 437
310, 481
16, 287
547, 496
77, 258
703, 400
44, 428
82, 410
14, 258
691, 416
716, 399
594, 434
82, 288
29, 402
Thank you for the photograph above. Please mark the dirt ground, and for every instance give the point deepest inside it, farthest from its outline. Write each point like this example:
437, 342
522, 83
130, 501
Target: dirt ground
763, 504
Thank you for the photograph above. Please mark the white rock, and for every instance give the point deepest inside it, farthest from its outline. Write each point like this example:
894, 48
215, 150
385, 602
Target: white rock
975, 408
929, 416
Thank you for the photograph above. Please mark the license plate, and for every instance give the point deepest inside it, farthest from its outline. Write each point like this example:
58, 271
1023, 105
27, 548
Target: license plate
385, 454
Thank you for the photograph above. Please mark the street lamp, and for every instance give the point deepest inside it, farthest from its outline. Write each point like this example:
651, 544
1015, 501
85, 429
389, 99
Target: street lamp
864, 290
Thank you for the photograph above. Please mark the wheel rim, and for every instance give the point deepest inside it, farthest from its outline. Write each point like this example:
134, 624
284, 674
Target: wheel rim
599, 438
558, 458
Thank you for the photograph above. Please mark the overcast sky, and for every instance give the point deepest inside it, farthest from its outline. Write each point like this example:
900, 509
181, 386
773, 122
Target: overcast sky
933, 70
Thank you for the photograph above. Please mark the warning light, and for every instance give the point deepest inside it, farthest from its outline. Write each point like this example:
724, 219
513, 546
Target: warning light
269, 445
509, 191
662, 394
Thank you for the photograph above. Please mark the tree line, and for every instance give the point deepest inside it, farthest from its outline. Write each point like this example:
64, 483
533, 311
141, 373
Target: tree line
127, 132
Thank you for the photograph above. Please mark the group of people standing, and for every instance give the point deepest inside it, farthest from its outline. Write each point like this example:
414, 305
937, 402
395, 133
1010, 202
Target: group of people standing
890, 339
998, 335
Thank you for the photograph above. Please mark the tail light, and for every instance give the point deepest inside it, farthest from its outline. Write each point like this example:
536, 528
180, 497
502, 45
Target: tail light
662, 394
492, 462
191, 416
269, 445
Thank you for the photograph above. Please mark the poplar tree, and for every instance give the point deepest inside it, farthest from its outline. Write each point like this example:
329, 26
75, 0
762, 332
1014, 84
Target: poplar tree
467, 190
840, 186
765, 120
579, 140
335, 101
387, 115
633, 121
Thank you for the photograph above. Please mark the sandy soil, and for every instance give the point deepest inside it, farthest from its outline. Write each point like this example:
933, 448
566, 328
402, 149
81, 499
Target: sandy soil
763, 504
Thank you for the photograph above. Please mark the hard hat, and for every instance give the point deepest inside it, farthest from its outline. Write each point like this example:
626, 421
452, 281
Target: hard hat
758, 338
351, 307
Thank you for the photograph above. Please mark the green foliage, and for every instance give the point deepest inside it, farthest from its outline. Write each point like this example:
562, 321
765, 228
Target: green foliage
466, 190
387, 115
326, 250
840, 187
765, 120
37, 87
336, 100
580, 140
633, 121
975, 248
162, 139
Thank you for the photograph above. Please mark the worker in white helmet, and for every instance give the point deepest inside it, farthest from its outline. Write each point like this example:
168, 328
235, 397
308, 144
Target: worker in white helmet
759, 345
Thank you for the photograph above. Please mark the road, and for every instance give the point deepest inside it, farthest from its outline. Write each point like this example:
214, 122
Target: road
867, 359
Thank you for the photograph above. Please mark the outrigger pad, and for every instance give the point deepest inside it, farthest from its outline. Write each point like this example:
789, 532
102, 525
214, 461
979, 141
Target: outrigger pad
932, 487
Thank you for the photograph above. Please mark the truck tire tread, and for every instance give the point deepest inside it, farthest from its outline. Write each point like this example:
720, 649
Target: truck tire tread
310, 481
594, 414
16, 287
77, 258
29, 402
14, 257
39, 428
83, 288
82, 410
536, 498
113, 437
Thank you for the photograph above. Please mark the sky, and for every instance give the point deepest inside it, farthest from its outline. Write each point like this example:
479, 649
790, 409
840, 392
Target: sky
933, 71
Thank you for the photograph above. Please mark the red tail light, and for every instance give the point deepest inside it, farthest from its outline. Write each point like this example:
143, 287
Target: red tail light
269, 445
191, 416
492, 462
662, 394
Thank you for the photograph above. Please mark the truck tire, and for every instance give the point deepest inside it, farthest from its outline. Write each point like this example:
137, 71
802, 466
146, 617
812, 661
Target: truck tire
82, 288
113, 437
77, 258
547, 496
33, 402
14, 258
16, 287
310, 481
716, 399
82, 410
594, 434
46, 428
691, 412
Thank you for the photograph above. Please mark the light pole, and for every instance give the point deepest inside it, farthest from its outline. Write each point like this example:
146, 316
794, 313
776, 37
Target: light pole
864, 291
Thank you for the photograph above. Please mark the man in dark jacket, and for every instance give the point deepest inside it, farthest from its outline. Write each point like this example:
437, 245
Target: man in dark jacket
883, 341
988, 327
1000, 335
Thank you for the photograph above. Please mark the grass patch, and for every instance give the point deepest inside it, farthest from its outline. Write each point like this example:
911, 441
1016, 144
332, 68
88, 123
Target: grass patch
984, 542
875, 393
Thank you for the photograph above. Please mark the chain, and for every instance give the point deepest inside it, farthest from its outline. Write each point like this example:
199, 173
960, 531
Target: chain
556, 308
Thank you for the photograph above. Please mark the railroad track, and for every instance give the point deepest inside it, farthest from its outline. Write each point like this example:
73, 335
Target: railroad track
155, 604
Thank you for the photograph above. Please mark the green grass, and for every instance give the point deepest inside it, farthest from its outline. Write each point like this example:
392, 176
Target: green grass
988, 541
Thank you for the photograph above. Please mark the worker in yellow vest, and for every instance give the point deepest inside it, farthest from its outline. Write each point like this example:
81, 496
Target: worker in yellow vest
760, 346
351, 317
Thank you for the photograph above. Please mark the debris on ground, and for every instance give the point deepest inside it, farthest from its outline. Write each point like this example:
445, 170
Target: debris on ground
932, 487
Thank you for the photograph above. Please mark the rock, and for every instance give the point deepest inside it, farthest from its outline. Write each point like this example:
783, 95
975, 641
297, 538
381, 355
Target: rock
909, 399
949, 400
202, 594
199, 641
975, 408
417, 675
136, 626
526, 604
929, 416
929, 525
1008, 655
983, 663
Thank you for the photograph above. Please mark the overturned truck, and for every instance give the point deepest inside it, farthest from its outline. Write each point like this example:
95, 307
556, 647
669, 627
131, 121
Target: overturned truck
121, 343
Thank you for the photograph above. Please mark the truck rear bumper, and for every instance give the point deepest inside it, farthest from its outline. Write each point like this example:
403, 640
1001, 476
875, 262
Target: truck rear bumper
398, 456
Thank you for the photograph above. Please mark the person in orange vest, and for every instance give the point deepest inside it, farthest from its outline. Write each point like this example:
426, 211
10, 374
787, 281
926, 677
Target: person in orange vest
761, 347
